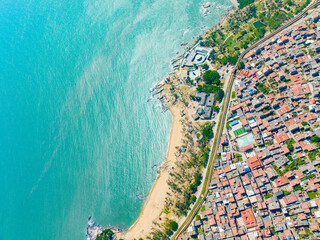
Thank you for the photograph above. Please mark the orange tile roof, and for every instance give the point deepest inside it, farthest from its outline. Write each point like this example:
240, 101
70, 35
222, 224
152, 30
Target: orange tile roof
209, 212
281, 181
302, 59
299, 89
248, 218
283, 110
306, 147
227, 169
311, 116
292, 198
254, 162
281, 137
244, 121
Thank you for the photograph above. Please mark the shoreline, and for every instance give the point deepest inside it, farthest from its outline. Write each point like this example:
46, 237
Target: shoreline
234, 3
154, 204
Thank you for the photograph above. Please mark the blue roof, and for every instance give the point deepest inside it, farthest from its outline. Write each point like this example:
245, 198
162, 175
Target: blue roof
233, 123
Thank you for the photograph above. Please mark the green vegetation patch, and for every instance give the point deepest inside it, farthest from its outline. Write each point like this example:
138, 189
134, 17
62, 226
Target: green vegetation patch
219, 93
229, 59
239, 157
308, 177
315, 140
298, 188
313, 195
268, 195
276, 19
211, 77
243, 3
258, 24
298, 9
107, 234
313, 155
240, 131
240, 65
263, 88
286, 193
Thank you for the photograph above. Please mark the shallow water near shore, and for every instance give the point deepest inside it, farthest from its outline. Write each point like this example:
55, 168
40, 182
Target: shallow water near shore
78, 136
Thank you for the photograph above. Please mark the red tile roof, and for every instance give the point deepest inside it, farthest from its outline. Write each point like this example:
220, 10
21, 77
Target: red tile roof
299, 89
281, 137
281, 181
254, 162
292, 198
248, 218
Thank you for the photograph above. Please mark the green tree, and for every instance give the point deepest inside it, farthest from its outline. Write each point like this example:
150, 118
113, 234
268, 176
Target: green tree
240, 65
172, 225
290, 147
207, 132
107, 234
212, 54
289, 2
211, 77
219, 94
243, 3
315, 139
215, 108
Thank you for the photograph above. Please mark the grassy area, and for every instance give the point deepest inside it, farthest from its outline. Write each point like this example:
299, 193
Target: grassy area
308, 177
298, 188
239, 157
313, 155
268, 195
313, 195
240, 131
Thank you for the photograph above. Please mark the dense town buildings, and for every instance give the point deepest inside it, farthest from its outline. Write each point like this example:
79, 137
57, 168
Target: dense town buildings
266, 182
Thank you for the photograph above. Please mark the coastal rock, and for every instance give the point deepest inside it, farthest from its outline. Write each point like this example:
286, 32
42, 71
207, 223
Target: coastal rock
206, 5
93, 229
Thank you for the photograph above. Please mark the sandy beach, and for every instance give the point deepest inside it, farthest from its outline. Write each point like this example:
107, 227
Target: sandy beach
155, 202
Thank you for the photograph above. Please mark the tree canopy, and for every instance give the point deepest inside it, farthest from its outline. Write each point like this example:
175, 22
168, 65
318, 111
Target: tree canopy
219, 94
228, 59
207, 132
107, 234
211, 77
243, 3
240, 65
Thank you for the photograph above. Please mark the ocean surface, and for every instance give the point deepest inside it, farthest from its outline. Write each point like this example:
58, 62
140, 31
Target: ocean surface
77, 135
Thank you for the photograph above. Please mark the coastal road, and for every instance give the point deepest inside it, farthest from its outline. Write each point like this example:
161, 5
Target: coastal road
222, 119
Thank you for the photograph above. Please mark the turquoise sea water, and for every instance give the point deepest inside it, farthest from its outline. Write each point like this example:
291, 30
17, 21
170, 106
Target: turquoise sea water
77, 135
